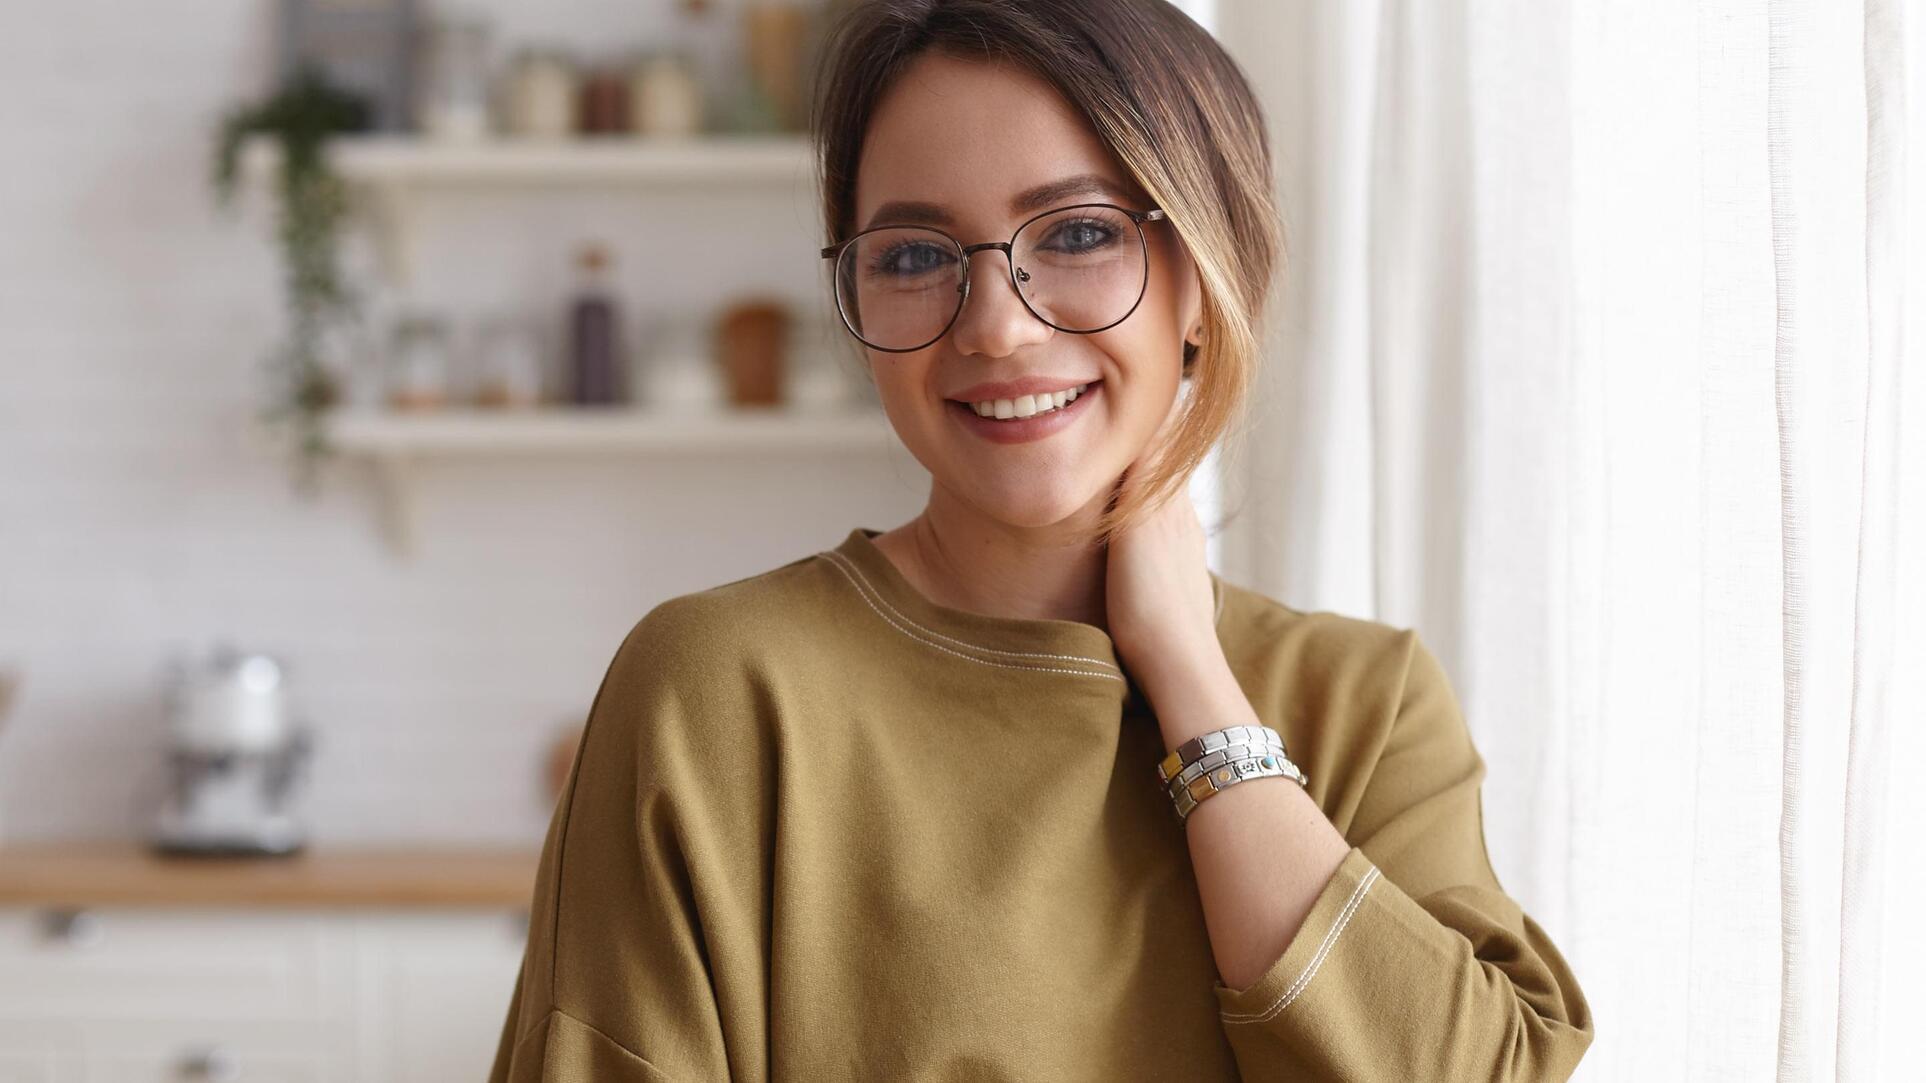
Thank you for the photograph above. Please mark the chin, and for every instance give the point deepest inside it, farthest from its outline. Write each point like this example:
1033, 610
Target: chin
1032, 509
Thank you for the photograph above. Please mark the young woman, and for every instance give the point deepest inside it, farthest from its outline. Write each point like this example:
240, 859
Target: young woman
898, 809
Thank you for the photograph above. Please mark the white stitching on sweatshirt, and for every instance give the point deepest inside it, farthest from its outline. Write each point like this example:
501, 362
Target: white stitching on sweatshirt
1317, 960
864, 590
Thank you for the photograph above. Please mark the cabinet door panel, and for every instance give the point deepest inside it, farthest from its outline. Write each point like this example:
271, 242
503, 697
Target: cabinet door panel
435, 993
198, 964
38, 1053
213, 1052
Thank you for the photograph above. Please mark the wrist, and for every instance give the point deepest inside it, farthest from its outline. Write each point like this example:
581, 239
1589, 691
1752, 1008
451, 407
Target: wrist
1195, 696
1173, 662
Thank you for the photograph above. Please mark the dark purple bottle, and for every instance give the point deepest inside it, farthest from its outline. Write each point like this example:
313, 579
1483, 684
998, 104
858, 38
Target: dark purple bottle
594, 354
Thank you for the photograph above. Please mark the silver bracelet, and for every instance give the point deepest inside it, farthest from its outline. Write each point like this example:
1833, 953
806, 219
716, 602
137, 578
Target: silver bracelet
1214, 761
1204, 744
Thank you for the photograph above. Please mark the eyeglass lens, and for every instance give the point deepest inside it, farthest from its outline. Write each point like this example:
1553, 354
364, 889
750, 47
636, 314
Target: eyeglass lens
1079, 269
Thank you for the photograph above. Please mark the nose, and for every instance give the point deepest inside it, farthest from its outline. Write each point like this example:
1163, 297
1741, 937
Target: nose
994, 321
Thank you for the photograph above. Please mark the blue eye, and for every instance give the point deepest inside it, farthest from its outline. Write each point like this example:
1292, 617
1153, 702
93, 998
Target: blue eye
922, 258
1082, 235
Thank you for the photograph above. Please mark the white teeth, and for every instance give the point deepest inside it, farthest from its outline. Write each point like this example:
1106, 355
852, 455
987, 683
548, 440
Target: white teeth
1027, 405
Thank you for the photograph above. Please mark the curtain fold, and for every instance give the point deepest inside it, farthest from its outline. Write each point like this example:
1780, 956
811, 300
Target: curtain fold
1595, 359
1868, 844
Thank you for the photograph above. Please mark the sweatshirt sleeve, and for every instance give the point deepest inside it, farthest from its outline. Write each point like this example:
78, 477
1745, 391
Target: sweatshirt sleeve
1413, 963
643, 953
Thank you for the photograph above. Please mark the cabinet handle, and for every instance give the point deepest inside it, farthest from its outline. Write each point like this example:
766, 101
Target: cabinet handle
210, 1065
74, 927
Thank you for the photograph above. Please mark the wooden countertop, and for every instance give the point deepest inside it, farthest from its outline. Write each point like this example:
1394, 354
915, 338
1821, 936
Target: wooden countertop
83, 874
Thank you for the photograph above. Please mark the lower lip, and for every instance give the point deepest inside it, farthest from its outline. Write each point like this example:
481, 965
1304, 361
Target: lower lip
1023, 430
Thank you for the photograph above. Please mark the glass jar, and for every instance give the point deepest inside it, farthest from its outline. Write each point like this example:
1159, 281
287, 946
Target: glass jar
453, 97
418, 363
774, 33
508, 364
820, 378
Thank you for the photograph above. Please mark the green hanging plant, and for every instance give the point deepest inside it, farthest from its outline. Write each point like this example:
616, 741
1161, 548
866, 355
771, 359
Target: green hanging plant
312, 203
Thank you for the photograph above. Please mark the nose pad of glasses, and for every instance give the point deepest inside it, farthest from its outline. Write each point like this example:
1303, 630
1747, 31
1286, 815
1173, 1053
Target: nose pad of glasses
1022, 275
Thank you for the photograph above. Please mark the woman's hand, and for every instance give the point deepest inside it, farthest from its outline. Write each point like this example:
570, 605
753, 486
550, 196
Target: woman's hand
1157, 587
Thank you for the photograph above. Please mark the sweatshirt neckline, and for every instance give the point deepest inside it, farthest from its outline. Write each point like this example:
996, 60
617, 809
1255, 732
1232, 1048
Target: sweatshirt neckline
1073, 648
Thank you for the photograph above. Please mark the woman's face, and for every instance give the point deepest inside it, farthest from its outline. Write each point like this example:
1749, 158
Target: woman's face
968, 137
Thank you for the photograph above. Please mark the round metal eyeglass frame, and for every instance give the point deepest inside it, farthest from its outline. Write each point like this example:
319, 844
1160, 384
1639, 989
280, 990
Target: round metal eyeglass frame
964, 252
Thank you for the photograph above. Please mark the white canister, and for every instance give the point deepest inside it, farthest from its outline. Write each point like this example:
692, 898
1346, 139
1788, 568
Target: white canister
539, 98
665, 96
680, 374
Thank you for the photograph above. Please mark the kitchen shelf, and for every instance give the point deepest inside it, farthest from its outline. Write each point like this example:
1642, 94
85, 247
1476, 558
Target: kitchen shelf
565, 429
391, 177
405, 160
388, 175
76, 875
396, 442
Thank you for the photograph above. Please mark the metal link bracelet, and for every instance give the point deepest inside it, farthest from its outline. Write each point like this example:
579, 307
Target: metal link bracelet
1212, 762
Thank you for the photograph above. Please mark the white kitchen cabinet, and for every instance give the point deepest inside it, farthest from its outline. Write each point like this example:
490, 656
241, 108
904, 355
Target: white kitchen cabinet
435, 993
151, 1051
115, 963
132, 995
37, 1053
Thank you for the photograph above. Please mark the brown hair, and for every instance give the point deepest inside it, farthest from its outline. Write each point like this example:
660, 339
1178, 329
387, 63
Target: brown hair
1167, 101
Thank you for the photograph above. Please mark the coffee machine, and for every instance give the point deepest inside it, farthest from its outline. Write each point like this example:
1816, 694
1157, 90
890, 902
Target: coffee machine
237, 758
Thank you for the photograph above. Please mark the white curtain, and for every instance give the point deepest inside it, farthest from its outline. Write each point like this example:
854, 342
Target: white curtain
1598, 362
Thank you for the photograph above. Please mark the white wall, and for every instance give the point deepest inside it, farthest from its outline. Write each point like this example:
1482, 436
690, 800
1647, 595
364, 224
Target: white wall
136, 515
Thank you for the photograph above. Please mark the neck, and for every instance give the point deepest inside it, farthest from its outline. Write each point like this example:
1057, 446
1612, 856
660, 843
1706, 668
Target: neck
959, 558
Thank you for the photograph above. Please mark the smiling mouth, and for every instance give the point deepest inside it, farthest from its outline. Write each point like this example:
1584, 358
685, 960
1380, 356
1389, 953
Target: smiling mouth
1026, 406
1039, 425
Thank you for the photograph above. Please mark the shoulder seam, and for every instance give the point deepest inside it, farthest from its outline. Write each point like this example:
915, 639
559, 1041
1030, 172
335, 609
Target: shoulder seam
783, 567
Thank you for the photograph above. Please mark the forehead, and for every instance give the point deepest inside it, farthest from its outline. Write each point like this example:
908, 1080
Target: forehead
968, 136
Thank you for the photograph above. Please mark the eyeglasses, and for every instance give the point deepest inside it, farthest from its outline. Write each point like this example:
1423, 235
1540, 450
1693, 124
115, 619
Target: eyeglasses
1081, 269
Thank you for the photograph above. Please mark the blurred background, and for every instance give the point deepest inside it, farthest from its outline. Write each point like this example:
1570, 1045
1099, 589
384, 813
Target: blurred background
371, 367
368, 367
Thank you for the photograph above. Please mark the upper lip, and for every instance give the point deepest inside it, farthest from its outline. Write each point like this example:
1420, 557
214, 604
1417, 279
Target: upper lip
1015, 389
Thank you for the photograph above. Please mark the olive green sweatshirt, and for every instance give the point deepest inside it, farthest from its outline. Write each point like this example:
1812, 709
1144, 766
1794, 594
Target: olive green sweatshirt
822, 828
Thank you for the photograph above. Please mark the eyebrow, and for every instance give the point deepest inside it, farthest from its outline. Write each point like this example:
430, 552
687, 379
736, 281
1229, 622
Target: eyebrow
907, 212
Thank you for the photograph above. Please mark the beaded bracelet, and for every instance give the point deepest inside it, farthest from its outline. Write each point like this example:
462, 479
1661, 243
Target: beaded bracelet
1215, 761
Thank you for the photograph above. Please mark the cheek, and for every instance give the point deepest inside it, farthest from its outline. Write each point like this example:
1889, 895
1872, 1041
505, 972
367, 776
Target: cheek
1145, 352
895, 376
1172, 285
904, 388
